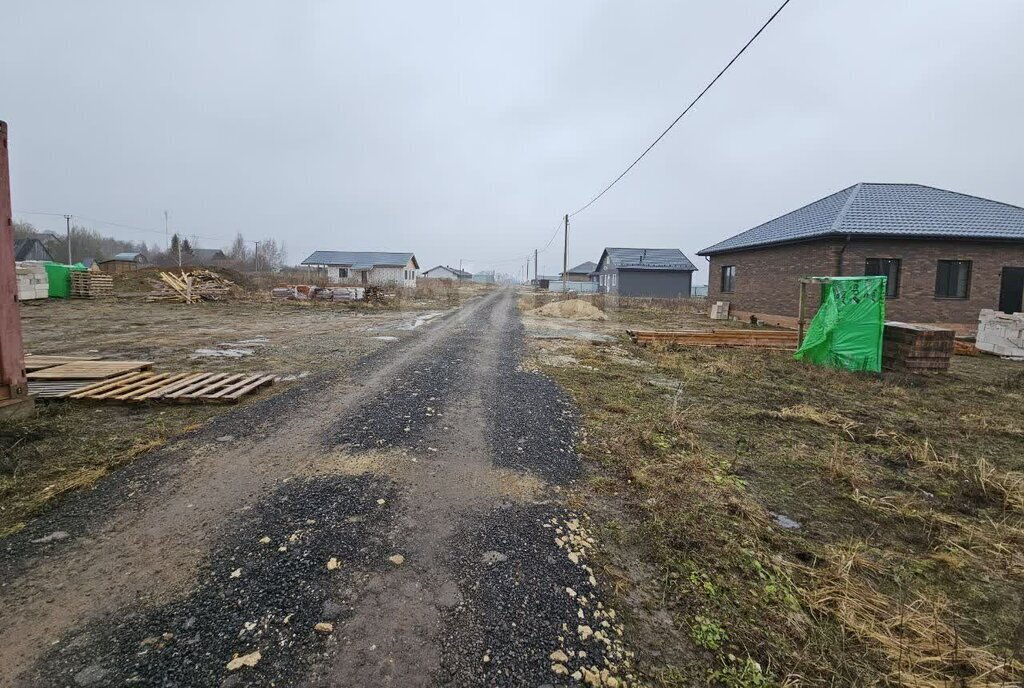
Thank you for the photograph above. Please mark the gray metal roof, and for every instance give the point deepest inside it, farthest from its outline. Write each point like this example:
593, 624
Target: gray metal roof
456, 271
898, 210
130, 255
647, 259
583, 268
206, 254
361, 258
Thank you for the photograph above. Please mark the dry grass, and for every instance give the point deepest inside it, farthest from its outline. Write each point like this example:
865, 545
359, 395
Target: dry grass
923, 647
693, 451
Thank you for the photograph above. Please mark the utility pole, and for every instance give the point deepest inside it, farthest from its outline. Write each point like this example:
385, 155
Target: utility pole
256, 257
67, 220
528, 271
536, 275
565, 254
167, 237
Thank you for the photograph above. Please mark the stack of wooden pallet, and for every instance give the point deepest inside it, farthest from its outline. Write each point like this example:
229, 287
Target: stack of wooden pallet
177, 387
765, 339
91, 285
87, 378
911, 348
191, 287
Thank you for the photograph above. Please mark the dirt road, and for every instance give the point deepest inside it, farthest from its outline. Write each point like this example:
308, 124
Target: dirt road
398, 523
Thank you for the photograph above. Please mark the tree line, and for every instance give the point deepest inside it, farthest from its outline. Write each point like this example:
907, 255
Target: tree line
89, 243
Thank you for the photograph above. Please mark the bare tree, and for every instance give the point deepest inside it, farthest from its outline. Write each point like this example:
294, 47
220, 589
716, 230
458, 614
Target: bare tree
239, 251
272, 254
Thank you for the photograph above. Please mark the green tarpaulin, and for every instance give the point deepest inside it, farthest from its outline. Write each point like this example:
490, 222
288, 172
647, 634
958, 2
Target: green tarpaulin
847, 330
59, 277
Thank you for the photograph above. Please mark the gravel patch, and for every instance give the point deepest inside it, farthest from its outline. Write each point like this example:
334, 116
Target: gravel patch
270, 588
412, 407
530, 612
532, 423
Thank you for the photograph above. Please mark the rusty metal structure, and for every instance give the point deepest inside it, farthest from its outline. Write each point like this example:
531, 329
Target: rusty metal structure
14, 396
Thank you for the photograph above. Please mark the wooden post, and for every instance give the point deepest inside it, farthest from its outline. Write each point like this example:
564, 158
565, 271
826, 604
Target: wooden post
14, 397
802, 317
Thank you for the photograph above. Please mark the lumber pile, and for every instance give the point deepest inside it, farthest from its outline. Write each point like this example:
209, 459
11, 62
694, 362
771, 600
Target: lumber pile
765, 339
32, 280
908, 348
191, 287
91, 285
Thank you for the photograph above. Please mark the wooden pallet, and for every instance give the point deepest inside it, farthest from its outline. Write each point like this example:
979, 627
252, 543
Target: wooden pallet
770, 339
176, 387
91, 285
54, 389
89, 370
40, 362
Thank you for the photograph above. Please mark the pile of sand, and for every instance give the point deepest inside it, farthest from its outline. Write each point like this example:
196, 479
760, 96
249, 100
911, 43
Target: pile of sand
573, 309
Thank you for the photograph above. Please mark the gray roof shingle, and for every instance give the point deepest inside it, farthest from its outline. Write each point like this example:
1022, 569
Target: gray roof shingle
647, 259
583, 268
900, 210
364, 259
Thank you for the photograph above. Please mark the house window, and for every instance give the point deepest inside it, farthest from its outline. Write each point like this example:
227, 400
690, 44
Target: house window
728, 278
953, 279
615, 279
342, 273
886, 267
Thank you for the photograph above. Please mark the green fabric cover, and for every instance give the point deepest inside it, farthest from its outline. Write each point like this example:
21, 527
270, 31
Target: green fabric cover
59, 277
847, 330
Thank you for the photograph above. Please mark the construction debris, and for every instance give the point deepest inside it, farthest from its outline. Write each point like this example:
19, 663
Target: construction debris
40, 362
91, 285
571, 309
765, 339
720, 310
32, 280
308, 292
191, 287
911, 348
1001, 333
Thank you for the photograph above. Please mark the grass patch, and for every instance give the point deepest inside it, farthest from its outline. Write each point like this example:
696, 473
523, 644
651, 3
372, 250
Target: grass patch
906, 567
63, 447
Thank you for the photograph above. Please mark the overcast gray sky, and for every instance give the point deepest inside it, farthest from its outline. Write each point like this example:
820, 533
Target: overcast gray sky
466, 129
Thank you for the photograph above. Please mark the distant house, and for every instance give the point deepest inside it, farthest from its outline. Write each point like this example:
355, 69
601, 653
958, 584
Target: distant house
946, 255
124, 262
650, 272
30, 249
582, 272
484, 277
365, 267
448, 273
207, 256
91, 264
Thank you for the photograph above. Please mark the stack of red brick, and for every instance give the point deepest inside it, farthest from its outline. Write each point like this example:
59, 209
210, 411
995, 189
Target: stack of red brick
916, 348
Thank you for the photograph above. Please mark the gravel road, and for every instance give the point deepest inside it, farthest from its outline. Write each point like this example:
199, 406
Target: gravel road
398, 524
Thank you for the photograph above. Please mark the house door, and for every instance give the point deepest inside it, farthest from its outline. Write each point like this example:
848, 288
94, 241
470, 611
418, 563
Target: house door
365, 276
1011, 290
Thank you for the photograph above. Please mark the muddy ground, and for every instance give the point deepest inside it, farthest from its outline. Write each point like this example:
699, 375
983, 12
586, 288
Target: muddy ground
391, 523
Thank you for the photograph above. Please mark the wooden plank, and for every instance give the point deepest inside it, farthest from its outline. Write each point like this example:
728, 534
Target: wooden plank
189, 379
89, 370
45, 361
258, 382
104, 385
126, 387
153, 384
214, 386
197, 385
238, 384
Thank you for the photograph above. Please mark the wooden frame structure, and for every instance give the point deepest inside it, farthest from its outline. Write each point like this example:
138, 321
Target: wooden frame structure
801, 320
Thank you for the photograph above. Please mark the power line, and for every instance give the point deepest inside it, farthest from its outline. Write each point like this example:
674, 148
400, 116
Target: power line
688, 108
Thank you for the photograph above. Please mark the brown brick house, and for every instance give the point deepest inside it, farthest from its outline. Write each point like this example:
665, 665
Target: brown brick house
947, 255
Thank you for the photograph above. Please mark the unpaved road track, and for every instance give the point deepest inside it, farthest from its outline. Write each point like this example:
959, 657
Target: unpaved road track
432, 475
